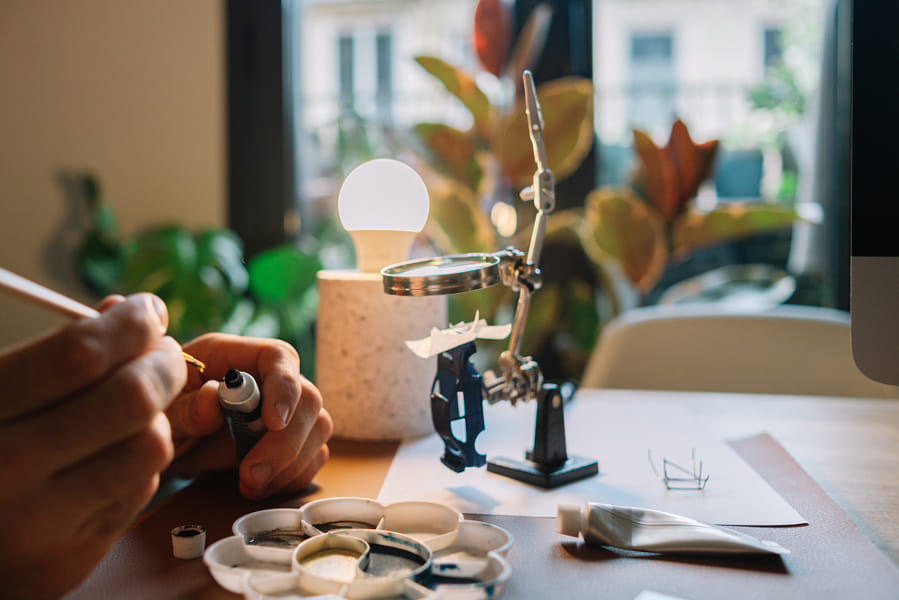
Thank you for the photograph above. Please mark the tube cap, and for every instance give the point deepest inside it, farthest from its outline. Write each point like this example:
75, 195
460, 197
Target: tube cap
569, 519
188, 541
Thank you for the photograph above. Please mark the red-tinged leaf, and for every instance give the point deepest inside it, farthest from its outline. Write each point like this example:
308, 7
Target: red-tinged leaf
529, 44
567, 107
629, 230
460, 85
728, 222
454, 151
492, 31
692, 163
682, 155
656, 175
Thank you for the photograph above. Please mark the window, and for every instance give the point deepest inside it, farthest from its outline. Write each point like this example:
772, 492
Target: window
358, 89
652, 81
652, 62
384, 70
773, 46
346, 72
650, 50
738, 71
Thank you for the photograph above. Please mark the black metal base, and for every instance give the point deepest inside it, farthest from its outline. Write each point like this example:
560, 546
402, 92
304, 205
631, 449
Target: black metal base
573, 469
547, 464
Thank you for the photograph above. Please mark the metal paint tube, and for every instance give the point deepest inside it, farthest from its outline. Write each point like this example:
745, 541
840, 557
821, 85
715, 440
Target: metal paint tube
655, 531
241, 402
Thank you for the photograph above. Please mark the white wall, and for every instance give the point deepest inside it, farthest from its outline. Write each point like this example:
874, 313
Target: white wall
131, 90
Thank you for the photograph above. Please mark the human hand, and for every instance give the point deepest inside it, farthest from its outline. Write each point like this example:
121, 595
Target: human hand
83, 440
293, 449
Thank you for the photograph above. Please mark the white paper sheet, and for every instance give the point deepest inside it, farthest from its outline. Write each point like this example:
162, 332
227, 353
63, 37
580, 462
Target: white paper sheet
616, 433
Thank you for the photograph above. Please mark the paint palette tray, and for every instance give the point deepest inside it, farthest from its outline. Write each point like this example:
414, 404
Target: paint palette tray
358, 548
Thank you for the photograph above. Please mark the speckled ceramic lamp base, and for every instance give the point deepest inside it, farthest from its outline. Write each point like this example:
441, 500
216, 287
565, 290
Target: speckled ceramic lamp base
374, 387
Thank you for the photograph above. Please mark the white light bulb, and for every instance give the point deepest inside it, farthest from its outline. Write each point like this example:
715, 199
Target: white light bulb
383, 203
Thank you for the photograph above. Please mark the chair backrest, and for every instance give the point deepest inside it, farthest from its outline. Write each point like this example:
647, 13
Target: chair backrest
784, 350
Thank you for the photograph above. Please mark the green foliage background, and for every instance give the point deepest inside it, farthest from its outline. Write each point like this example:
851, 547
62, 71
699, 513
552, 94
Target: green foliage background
203, 277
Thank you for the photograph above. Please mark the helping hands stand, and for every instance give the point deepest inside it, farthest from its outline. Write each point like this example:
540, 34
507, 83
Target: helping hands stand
547, 464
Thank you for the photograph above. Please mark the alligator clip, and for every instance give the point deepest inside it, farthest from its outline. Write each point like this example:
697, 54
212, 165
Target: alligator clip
457, 376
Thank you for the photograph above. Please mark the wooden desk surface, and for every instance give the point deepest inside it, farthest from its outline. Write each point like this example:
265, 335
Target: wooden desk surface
850, 447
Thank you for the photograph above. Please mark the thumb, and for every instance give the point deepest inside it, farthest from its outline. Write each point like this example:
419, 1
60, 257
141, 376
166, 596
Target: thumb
196, 413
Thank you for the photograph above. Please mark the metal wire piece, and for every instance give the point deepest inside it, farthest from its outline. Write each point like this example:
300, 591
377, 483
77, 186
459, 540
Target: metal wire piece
686, 479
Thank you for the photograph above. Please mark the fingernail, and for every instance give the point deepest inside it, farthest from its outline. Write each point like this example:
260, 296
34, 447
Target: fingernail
260, 473
161, 311
283, 409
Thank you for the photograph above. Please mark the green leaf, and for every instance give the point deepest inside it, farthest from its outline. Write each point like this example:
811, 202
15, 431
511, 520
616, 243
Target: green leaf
298, 317
104, 223
223, 249
264, 324
728, 222
218, 283
488, 302
454, 150
205, 303
460, 85
456, 223
240, 317
99, 263
90, 186
164, 261
583, 317
571, 223
99, 258
626, 228
544, 314
282, 274
567, 107
159, 261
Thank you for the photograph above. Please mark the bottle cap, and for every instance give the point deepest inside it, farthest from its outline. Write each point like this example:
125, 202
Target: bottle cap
569, 520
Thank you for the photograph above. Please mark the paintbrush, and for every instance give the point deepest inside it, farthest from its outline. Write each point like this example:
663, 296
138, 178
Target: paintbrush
42, 296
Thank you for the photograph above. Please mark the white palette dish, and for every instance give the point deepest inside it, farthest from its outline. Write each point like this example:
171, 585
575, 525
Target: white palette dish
292, 553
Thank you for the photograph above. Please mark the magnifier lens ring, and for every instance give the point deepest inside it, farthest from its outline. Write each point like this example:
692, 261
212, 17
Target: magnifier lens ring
441, 275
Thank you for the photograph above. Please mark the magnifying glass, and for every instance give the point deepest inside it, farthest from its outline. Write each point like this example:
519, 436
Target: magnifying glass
441, 275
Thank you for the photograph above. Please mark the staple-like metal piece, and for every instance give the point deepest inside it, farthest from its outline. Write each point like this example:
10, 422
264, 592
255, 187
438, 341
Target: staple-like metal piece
685, 479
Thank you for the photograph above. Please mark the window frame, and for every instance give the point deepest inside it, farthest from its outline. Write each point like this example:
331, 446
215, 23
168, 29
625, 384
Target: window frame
262, 178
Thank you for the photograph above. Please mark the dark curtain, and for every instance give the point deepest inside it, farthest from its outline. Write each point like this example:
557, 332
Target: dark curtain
827, 254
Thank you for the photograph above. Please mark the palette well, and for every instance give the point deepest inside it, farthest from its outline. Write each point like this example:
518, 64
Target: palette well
353, 548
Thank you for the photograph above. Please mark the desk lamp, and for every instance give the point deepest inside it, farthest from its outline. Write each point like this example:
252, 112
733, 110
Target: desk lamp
548, 463
370, 385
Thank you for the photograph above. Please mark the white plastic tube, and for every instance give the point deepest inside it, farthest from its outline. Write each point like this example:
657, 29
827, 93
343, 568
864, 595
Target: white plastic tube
655, 531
